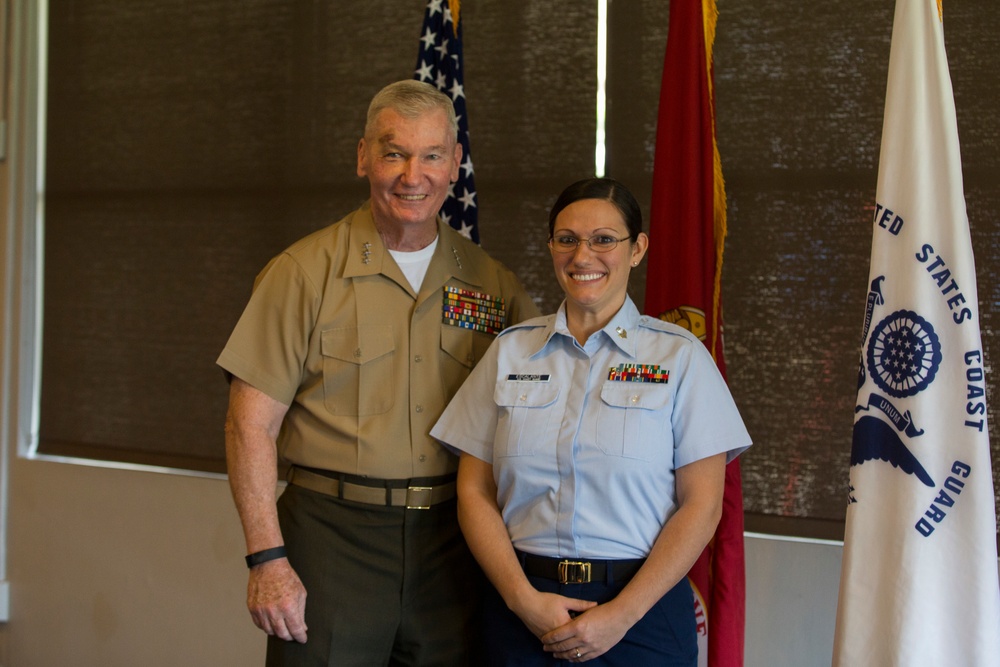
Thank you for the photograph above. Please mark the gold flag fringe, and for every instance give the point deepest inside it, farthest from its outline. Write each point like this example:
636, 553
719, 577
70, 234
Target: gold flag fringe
710, 16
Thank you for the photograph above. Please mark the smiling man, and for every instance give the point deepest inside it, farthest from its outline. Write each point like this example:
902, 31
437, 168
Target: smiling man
409, 162
353, 342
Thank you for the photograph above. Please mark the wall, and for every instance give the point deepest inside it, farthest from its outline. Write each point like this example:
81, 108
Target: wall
791, 608
115, 567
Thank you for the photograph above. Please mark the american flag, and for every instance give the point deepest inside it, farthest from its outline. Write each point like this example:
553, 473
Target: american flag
440, 64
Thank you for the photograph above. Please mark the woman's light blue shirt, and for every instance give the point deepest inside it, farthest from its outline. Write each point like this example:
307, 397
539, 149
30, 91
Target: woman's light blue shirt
584, 457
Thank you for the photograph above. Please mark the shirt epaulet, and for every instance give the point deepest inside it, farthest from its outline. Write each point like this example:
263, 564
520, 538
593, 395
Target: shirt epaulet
534, 323
656, 324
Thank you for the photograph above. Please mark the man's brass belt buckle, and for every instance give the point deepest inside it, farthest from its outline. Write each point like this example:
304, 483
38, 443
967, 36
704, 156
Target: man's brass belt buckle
574, 572
418, 497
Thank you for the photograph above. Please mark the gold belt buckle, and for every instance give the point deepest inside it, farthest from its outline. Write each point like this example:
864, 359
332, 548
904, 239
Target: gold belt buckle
418, 497
574, 572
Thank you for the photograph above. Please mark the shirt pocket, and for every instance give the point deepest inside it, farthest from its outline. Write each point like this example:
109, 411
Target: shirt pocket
457, 344
461, 349
358, 376
525, 417
633, 420
464, 346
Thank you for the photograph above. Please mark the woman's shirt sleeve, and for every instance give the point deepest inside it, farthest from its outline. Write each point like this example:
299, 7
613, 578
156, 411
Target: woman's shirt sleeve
469, 422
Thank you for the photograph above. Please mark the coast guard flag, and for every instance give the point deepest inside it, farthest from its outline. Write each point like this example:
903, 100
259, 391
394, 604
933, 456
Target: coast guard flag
919, 575
440, 64
687, 230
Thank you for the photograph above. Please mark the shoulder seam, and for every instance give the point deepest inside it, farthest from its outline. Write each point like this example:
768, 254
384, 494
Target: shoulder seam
534, 323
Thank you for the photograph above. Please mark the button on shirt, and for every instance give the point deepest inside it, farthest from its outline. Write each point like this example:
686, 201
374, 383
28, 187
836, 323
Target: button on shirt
584, 459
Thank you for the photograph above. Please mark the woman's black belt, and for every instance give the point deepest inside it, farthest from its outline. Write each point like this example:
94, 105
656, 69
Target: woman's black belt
579, 570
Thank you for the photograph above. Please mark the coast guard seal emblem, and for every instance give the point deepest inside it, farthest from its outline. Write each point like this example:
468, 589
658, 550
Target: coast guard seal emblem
902, 358
904, 354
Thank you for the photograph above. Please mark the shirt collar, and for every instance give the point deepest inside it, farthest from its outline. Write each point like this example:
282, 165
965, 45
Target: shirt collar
621, 330
453, 259
624, 327
368, 255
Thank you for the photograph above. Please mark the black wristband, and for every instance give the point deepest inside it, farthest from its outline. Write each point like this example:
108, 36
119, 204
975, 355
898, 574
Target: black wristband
259, 557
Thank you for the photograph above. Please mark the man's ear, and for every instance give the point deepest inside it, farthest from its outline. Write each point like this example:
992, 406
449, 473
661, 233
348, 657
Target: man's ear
458, 162
362, 158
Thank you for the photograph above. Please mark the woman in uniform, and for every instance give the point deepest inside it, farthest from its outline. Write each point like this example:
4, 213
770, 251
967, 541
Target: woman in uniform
593, 450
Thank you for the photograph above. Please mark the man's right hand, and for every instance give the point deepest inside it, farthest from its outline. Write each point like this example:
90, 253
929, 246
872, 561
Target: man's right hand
277, 600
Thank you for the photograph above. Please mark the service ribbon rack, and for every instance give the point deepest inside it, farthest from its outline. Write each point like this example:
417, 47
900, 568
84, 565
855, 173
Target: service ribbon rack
638, 373
469, 309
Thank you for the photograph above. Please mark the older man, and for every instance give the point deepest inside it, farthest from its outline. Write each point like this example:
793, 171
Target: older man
353, 342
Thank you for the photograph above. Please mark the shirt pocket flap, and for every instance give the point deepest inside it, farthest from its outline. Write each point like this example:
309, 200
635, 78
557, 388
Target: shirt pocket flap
635, 395
357, 345
525, 394
457, 344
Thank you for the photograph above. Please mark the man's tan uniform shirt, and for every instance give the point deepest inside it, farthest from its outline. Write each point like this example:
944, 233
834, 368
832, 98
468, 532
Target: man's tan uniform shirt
334, 330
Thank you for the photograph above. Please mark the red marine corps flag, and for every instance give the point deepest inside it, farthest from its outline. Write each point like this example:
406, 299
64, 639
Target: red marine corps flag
688, 228
918, 582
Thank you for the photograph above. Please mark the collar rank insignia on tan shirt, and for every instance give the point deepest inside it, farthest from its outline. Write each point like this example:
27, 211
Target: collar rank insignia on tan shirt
473, 310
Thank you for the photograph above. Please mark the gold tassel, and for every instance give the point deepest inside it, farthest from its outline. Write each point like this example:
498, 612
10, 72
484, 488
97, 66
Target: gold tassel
710, 16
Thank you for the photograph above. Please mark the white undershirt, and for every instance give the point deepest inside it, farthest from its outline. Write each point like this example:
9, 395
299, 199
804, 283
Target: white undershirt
414, 264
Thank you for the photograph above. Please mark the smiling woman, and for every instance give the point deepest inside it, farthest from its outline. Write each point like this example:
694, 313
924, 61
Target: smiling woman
586, 494
589, 219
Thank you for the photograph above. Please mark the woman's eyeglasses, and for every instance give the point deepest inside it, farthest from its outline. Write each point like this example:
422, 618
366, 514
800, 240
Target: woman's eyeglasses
599, 243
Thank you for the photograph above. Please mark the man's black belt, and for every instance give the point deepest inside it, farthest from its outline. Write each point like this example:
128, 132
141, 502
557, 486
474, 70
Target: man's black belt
411, 494
579, 570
